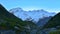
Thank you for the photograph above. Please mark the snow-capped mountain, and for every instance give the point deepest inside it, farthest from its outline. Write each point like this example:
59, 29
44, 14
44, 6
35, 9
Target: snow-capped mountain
29, 15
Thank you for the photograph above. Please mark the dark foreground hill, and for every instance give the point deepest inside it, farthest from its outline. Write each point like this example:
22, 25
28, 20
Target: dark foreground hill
54, 22
10, 22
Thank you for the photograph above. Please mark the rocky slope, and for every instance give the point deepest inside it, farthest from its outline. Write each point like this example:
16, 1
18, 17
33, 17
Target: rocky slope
34, 15
10, 22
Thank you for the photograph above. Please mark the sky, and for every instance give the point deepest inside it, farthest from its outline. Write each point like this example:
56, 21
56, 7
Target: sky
47, 5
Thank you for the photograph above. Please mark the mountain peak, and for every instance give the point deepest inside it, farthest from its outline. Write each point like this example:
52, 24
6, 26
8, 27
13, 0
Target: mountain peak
42, 10
34, 14
14, 10
18, 8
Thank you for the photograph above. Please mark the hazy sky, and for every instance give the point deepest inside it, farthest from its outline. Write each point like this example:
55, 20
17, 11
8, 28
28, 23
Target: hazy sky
48, 5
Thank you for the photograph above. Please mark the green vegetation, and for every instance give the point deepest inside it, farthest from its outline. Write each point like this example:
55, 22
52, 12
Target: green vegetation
8, 22
55, 32
53, 22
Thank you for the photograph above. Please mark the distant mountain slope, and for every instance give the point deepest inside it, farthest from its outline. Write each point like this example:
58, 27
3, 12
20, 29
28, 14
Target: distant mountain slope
34, 14
10, 22
43, 21
53, 22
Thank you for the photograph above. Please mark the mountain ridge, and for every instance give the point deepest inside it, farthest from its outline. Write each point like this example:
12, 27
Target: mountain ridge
8, 21
29, 14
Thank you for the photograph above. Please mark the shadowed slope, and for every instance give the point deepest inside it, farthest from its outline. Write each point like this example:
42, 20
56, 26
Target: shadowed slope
8, 21
53, 22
